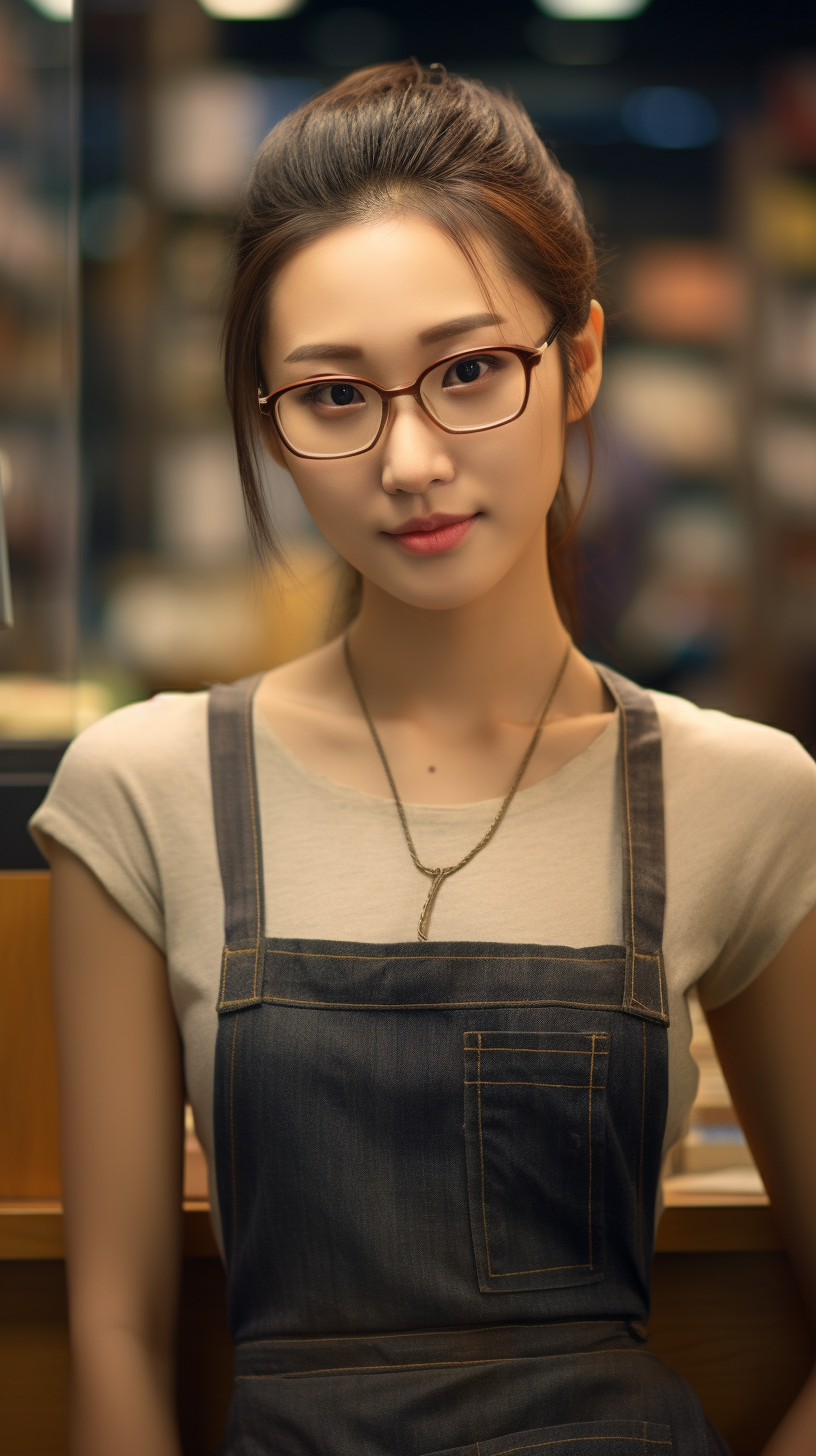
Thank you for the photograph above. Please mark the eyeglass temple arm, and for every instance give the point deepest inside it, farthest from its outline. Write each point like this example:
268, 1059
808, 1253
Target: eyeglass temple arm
552, 336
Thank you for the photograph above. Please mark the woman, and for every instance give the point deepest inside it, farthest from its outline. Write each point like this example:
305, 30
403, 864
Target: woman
438, 1061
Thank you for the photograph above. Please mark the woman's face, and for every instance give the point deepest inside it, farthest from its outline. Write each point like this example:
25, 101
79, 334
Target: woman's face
382, 301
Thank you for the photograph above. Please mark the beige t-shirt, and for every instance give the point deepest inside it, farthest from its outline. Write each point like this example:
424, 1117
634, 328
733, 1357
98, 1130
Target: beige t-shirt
132, 799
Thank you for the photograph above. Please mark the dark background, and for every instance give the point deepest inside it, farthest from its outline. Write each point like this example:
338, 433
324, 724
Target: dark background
699, 544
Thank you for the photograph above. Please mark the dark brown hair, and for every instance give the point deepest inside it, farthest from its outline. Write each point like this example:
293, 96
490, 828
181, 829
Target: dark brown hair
464, 156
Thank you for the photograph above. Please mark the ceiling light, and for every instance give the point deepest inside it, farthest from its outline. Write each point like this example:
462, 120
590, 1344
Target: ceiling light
54, 9
592, 9
250, 9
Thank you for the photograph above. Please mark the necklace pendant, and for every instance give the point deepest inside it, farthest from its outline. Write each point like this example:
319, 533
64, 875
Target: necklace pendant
436, 876
425, 917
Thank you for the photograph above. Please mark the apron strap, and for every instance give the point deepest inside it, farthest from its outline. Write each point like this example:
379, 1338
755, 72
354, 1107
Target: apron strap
237, 829
238, 836
643, 841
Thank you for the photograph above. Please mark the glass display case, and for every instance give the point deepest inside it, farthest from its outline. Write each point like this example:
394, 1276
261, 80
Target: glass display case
38, 370
42, 699
122, 155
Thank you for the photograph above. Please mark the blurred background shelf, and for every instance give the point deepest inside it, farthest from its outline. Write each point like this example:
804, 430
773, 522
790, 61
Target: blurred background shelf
125, 138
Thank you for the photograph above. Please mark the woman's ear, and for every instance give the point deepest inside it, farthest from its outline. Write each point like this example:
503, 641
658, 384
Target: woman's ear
588, 347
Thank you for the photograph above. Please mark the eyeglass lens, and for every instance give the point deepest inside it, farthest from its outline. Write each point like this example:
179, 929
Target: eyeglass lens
342, 416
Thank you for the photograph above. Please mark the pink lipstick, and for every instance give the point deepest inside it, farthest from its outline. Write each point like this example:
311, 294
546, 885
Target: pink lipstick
432, 535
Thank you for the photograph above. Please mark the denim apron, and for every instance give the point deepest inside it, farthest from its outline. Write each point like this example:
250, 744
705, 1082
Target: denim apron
437, 1165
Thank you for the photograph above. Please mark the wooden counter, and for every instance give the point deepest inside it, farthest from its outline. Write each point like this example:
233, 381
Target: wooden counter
726, 1313
32, 1228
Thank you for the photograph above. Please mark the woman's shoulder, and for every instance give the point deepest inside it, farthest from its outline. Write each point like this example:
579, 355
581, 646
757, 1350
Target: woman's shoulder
713, 756
130, 797
130, 768
740, 803
160, 735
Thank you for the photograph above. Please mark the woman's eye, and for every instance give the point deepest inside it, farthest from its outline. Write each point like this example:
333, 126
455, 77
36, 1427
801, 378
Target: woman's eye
469, 371
334, 396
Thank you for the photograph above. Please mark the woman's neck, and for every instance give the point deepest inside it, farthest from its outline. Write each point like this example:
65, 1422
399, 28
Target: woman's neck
495, 657
454, 693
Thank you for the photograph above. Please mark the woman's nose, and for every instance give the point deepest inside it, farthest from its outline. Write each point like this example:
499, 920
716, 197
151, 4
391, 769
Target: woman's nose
415, 454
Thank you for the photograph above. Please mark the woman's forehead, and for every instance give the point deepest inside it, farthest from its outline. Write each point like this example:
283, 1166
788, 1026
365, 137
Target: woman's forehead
400, 277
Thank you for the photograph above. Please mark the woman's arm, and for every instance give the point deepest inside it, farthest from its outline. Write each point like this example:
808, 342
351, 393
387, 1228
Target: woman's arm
121, 1122
766, 1041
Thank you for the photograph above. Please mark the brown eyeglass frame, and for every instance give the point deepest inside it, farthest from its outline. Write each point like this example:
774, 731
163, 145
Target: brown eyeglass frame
267, 403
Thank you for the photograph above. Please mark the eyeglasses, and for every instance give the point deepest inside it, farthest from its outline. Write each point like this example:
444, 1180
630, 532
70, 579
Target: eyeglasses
331, 416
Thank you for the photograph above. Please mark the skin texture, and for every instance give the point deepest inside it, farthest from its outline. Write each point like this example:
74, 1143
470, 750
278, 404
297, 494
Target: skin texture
121, 1123
456, 655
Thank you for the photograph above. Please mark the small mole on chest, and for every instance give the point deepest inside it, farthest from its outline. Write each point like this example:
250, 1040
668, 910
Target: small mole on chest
431, 768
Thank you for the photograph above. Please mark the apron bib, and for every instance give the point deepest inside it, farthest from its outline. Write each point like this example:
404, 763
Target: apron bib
437, 1166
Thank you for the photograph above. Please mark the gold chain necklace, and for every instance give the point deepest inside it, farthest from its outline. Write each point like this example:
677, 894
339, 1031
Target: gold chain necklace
442, 872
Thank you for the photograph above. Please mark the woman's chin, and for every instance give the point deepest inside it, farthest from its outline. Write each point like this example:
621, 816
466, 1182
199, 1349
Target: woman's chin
435, 585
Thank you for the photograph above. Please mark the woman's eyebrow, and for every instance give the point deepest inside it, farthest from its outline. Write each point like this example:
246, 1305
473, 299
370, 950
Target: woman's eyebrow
456, 326
434, 335
323, 351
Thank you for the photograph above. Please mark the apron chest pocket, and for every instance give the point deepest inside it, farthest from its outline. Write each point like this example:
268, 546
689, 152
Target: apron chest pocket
535, 1121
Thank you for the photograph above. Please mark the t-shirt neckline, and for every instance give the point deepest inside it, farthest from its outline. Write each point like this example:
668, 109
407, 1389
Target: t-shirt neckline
567, 775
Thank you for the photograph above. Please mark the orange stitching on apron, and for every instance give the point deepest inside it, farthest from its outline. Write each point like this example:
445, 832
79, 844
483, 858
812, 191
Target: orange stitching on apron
589, 1221
481, 1149
636, 954
418, 1334
432, 1364
421, 1005
572, 1440
547, 1051
253, 813
232, 1127
639, 1230
625, 759
333, 956
577, 1086
548, 1268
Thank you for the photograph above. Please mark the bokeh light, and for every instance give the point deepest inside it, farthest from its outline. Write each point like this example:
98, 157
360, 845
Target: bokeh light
593, 9
250, 9
669, 116
54, 9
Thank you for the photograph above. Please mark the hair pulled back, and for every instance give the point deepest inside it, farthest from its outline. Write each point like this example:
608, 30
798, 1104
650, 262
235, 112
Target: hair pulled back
400, 136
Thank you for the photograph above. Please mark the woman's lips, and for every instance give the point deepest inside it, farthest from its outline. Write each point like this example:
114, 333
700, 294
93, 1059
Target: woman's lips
432, 535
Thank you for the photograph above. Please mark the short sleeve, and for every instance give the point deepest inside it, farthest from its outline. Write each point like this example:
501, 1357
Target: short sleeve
119, 786
741, 813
